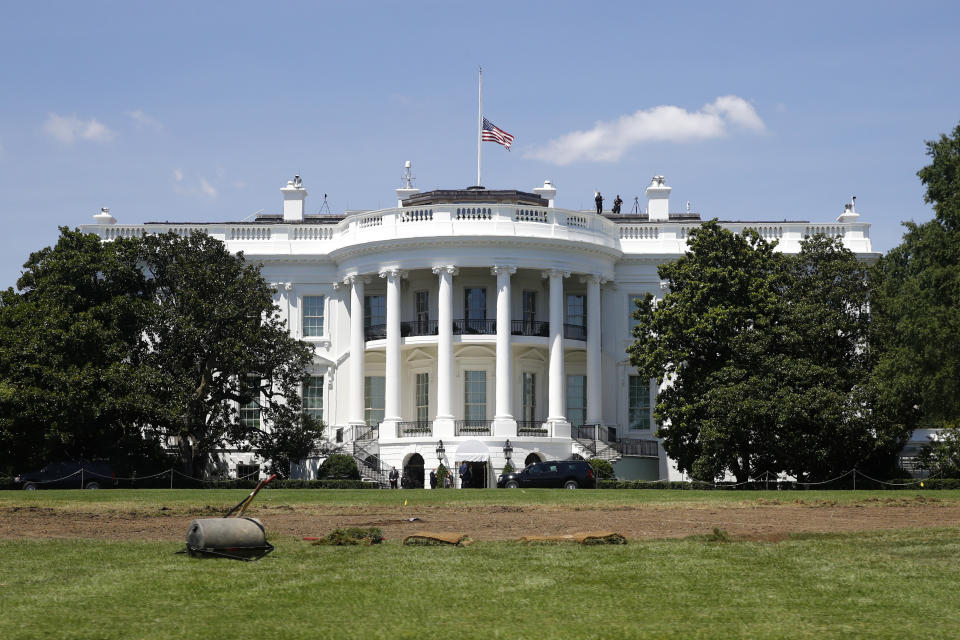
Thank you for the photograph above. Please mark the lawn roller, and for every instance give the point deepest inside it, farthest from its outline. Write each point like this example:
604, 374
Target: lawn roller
237, 538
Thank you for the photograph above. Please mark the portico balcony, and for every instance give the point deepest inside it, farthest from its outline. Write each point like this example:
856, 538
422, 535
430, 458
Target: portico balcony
463, 326
473, 427
415, 429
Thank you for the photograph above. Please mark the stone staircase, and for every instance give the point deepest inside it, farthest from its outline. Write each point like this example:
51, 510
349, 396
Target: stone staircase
596, 441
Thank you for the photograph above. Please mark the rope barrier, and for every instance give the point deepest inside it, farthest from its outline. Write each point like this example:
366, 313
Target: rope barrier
171, 471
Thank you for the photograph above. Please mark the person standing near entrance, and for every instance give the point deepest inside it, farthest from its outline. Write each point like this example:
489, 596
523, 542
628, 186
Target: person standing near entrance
394, 476
433, 479
464, 475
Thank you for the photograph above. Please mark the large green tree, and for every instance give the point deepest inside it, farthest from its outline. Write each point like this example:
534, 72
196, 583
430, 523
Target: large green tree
111, 343
916, 302
215, 341
68, 339
767, 358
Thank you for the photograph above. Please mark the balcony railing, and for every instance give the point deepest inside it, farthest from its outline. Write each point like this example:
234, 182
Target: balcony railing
531, 428
647, 448
473, 427
474, 327
600, 432
415, 429
531, 328
375, 332
575, 331
418, 328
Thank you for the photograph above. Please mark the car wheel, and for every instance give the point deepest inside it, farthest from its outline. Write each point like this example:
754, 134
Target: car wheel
513, 484
29, 487
92, 485
570, 484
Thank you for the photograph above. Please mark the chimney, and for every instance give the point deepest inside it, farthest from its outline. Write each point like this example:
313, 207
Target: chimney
547, 191
293, 196
849, 211
104, 216
409, 189
658, 200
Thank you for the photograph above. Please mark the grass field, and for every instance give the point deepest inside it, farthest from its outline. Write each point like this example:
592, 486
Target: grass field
888, 584
133, 499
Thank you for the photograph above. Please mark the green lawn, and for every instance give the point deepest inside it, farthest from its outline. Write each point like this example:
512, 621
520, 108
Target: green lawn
132, 499
878, 585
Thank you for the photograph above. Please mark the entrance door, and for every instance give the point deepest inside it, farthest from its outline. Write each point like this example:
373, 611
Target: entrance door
478, 475
413, 472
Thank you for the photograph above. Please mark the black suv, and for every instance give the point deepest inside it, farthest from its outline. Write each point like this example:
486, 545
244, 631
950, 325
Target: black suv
569, 474
69, 475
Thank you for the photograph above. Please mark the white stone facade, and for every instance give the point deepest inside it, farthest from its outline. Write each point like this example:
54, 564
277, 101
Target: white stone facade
475, 322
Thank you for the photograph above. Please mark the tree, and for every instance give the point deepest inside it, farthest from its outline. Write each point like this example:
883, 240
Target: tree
941, 458
107, 344
916, 302
767, 358
215, 342
69, 375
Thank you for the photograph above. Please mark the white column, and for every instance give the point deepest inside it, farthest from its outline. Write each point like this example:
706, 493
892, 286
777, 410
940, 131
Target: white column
557, 384
504, 423
357, 348
391, 401
443, 426
594, 366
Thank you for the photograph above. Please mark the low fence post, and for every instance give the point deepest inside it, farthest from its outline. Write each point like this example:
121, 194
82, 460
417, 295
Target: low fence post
171, 477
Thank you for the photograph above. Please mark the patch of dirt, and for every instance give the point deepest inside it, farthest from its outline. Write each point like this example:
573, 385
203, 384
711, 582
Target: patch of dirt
761, 520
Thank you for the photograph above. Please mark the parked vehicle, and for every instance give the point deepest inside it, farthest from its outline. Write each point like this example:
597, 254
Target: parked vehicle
69, 475
568, 474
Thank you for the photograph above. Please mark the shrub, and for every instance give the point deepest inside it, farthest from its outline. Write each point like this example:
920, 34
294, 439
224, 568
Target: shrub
508, 468
339, 466
602, 468
442, 472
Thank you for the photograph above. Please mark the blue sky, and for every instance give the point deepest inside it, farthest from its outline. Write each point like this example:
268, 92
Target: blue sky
201, 111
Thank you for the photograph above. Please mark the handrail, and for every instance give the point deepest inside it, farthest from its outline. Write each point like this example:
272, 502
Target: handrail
473, 427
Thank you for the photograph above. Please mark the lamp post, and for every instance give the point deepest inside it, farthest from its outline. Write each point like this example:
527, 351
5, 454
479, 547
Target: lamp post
507, 450
440, 451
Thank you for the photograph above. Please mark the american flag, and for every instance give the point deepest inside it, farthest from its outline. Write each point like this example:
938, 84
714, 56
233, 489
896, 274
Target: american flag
494, 133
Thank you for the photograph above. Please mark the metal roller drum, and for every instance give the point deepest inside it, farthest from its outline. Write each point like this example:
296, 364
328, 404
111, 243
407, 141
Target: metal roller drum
238, 538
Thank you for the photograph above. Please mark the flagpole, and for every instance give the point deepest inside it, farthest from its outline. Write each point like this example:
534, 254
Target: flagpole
479, 120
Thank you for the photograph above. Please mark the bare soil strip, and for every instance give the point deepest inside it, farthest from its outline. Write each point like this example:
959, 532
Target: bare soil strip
753, 520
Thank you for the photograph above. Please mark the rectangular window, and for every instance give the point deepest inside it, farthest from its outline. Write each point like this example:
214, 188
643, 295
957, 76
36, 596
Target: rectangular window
423, 397
313, 397
312, 316
577, 400
475, 303
374, 311
529, 306
248, 470
373, 399
528, 402
250, 411
423, 307
639, 407
475, 395
577, 310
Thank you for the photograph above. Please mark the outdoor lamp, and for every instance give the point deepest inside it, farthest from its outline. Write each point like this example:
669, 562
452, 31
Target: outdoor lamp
440, 450
507, 449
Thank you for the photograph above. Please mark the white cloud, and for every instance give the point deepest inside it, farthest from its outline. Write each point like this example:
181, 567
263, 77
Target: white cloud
207, 189
178, 175
608, 141
67, 129
142, 120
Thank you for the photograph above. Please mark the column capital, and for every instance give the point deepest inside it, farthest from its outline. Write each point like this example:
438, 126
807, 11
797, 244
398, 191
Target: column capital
597, 278
497, 269
551, 273
393, 272
445, 268
356, 277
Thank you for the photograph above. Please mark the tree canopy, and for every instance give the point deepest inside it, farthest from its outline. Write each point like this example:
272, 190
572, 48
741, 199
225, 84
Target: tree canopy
160, 335
767, 358
916, 302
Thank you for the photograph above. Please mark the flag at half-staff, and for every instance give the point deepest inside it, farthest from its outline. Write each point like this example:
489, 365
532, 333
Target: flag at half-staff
493, 133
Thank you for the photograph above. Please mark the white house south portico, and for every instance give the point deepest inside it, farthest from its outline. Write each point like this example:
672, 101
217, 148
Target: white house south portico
475, 316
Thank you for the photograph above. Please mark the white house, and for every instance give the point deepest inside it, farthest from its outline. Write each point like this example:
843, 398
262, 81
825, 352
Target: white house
460, 320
